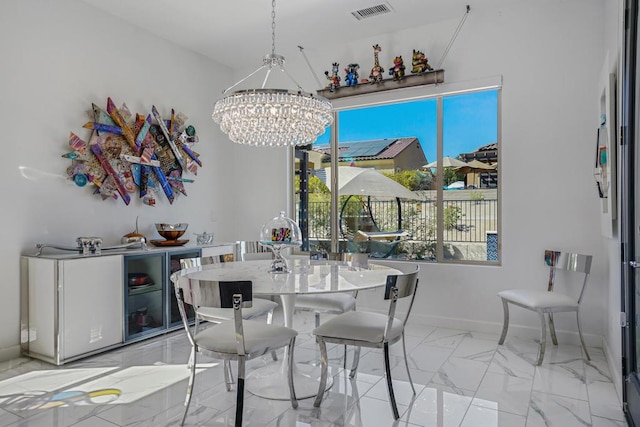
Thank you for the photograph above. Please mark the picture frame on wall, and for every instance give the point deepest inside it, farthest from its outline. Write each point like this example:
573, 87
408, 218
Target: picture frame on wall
606, 156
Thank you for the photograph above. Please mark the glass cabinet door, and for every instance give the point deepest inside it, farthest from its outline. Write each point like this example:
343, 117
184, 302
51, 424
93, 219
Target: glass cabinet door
174, 265
145, 304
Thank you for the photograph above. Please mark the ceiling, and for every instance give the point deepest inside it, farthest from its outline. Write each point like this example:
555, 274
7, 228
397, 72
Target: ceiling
237, 33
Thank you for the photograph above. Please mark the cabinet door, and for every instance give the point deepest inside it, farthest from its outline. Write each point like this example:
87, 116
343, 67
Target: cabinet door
175, 319
145, 306
91, 304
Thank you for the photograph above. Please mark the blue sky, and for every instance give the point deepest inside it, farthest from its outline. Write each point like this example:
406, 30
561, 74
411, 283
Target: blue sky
470, 121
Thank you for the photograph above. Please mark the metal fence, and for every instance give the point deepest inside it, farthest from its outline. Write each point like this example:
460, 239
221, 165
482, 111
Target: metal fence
464, 220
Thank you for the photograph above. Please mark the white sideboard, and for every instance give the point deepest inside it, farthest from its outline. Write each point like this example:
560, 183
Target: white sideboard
73, 306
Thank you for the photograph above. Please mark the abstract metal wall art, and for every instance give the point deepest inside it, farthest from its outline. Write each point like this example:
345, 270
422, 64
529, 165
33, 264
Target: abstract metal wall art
134, 155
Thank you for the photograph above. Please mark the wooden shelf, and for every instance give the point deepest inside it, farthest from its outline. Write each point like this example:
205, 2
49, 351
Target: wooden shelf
428, 78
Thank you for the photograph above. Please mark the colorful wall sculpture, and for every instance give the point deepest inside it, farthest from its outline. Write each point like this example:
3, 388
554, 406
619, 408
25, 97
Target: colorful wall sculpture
131, 156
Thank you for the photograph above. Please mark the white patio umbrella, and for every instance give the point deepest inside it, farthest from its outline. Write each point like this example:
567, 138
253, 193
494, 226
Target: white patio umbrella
447, 162
354, 181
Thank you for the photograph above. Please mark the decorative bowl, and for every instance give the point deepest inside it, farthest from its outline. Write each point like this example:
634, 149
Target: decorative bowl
171, 231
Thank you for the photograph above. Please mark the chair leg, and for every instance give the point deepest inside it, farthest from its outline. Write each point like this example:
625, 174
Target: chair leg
274, 356
584, 346
192, 378
323, 372
292, 388
505, 325
406, 364
387, 369
552, 329
356, 359
543, 338
240, 392
228, 374
344, 361
317, 316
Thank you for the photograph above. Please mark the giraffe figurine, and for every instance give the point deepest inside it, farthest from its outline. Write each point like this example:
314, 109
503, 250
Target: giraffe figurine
377, 71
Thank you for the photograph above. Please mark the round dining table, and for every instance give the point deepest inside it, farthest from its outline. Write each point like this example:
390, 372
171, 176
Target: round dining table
306, 277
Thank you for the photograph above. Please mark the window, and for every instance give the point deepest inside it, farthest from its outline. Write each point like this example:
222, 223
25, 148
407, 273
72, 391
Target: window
444, 149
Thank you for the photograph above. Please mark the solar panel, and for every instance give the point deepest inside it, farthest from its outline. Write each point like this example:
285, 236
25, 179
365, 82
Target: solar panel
364, 148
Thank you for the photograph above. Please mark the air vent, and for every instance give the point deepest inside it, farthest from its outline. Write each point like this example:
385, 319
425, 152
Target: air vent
370, 12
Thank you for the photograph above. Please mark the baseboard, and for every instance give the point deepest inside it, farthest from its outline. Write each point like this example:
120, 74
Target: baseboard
571, 337
9, 353
615, 368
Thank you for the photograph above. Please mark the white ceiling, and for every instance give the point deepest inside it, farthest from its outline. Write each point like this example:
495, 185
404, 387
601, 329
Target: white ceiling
237, 33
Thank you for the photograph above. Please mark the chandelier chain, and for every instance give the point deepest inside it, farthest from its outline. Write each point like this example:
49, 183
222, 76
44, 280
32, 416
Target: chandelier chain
273, 27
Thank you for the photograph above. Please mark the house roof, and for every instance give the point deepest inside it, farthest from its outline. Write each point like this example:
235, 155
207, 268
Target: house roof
376, 149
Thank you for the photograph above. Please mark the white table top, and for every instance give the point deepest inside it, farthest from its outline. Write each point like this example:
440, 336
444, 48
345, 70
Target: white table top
307, 276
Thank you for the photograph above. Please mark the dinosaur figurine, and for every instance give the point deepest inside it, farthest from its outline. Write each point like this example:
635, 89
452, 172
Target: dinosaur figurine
334, 78
419, 62
351, 78
397, 69
377, 71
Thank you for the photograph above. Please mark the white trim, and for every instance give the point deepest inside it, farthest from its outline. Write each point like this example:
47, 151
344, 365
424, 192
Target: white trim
614, 368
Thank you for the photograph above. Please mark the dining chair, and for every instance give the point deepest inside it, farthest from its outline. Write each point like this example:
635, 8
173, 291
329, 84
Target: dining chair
373, 330
260, 307
333, 303
236, 339
549, 302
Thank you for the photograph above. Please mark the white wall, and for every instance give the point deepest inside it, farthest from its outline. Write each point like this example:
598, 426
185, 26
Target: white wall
549, 54
58, 58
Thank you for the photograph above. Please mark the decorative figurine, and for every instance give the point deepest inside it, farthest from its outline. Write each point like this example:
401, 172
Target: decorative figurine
377, 70
420, 62
352, 75
397, 69
334, 78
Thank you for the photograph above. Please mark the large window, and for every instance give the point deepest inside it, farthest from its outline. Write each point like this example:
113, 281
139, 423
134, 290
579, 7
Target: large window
416, 180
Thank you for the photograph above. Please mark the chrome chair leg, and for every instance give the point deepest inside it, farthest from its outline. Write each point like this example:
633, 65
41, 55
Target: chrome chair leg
505, 325
356, 359
323, 372
387, 369
274, 356
192, 378
228, 374
552, 330
584, 346
240, 392
292, 388
344, 361
406, 364
543, 338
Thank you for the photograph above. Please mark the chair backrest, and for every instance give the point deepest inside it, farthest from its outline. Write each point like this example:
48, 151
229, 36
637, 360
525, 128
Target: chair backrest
568, 261
400, 286
253, 256
196, 262
225, 294
243, 247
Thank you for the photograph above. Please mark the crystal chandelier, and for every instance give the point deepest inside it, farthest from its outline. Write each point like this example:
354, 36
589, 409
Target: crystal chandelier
272, 117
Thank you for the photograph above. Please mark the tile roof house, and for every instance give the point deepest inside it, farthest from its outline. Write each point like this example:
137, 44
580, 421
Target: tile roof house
385, 155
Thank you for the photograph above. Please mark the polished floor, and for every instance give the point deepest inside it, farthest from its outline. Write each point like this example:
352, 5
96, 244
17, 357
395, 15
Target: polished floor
462, 379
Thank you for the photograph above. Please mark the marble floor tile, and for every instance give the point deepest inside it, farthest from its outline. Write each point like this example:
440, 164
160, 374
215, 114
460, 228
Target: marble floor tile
437, 408
479, 416
462, 378
510, 394
548, 410
458, 373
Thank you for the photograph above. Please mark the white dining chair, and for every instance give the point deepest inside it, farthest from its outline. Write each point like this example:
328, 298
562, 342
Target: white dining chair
236, 339
333, 303
373, 330
548, 302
